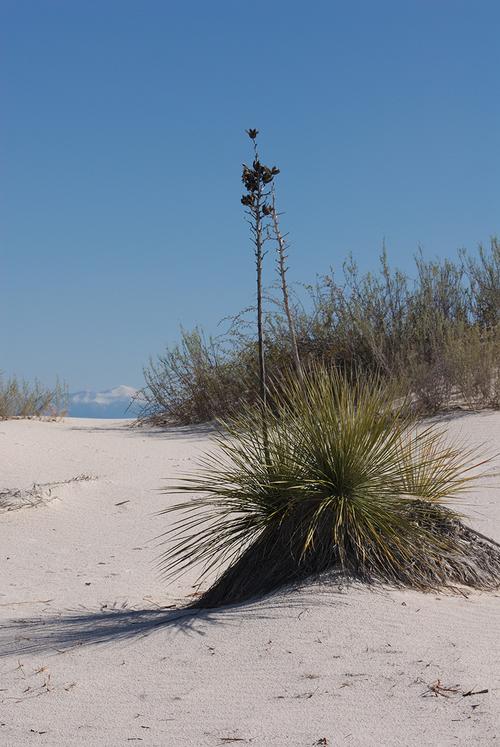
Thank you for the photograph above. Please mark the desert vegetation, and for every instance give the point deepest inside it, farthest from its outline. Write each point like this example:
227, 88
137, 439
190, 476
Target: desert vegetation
23, 399
323, 463
436, 335
345, 482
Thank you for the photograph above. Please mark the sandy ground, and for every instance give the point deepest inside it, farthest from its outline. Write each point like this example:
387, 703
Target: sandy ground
88, 655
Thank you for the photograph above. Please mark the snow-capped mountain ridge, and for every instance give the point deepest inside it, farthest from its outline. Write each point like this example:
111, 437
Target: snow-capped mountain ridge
109, 403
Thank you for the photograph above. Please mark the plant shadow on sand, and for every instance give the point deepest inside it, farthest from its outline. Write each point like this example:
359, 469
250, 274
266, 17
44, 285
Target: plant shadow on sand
58, 633
62, 632
135, 430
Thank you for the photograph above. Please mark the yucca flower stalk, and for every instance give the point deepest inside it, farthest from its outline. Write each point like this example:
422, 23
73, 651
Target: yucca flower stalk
256, 179
351, 483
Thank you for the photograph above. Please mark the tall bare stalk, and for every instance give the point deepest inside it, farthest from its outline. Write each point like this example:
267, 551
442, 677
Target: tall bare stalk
282, 247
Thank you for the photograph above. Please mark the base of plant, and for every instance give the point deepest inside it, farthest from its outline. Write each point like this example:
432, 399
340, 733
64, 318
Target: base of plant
276, 560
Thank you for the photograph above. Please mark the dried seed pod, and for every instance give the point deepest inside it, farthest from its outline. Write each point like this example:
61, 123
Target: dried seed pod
266, 175
249, 179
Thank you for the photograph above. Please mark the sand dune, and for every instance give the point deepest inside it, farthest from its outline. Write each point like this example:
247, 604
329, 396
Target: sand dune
92, 650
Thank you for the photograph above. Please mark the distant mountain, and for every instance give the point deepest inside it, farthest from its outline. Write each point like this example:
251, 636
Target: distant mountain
111, 403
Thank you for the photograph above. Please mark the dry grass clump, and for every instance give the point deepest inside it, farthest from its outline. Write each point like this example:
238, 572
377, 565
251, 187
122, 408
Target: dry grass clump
195, 381
14, 499
22, 399
344, 482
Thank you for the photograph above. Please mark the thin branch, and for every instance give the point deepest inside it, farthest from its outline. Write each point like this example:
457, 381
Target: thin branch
282, 269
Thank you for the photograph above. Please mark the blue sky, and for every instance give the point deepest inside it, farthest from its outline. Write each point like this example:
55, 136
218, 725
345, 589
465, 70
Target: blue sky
122, 141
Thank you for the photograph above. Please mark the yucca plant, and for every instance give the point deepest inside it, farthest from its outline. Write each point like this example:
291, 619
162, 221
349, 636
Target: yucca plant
347, 482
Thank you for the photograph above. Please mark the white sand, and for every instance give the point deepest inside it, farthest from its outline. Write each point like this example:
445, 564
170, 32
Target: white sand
315, 667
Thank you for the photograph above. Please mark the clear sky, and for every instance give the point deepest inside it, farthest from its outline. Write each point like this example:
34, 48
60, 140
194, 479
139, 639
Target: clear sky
122, 141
